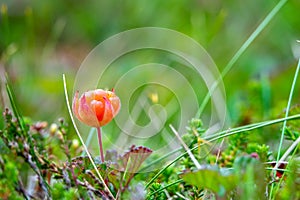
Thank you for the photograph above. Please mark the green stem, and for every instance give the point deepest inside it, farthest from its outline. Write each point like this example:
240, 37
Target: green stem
100, 144
287, 111
284, 125
81, 140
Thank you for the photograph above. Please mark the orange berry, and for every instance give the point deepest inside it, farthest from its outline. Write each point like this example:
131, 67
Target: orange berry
96, 107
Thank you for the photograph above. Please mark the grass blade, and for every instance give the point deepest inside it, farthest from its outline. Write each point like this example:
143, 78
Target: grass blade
229, 131
165, 187
163, 169
238, 54
80, 138
223, 134
284, 127
14, 106
287, 112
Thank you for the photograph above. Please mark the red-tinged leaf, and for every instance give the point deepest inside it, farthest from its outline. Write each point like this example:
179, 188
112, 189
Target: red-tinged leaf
133, 159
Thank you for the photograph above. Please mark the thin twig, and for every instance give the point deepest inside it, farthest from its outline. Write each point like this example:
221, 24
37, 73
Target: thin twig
181, 196
219, 151
287, 153
197, 164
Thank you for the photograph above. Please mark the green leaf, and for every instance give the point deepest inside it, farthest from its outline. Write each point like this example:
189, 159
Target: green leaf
251, 178
291, 188
212, 178
3, 148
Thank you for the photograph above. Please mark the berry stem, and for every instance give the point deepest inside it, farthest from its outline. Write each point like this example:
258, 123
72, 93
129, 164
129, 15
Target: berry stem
100, 144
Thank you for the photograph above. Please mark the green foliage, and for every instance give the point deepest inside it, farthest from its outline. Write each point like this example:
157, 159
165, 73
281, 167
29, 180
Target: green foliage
291, 187
67, 30
60, 191
246, 180
57, 179
251, 178
9, 175
212, 178
240, 173
291, 134
160, 195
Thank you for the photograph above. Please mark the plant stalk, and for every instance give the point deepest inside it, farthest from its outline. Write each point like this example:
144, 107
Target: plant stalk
81, 140
100, 144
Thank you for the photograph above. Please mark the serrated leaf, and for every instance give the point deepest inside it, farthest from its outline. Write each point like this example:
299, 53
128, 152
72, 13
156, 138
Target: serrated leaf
133, 159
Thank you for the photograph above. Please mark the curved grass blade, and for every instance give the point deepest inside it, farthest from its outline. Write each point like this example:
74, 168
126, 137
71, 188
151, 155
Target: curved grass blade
80, 138
250, 127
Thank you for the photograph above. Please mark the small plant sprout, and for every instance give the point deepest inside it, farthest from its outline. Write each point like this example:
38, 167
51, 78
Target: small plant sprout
96, 108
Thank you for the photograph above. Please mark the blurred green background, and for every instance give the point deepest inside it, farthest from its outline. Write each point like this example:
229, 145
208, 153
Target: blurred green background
41, 40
